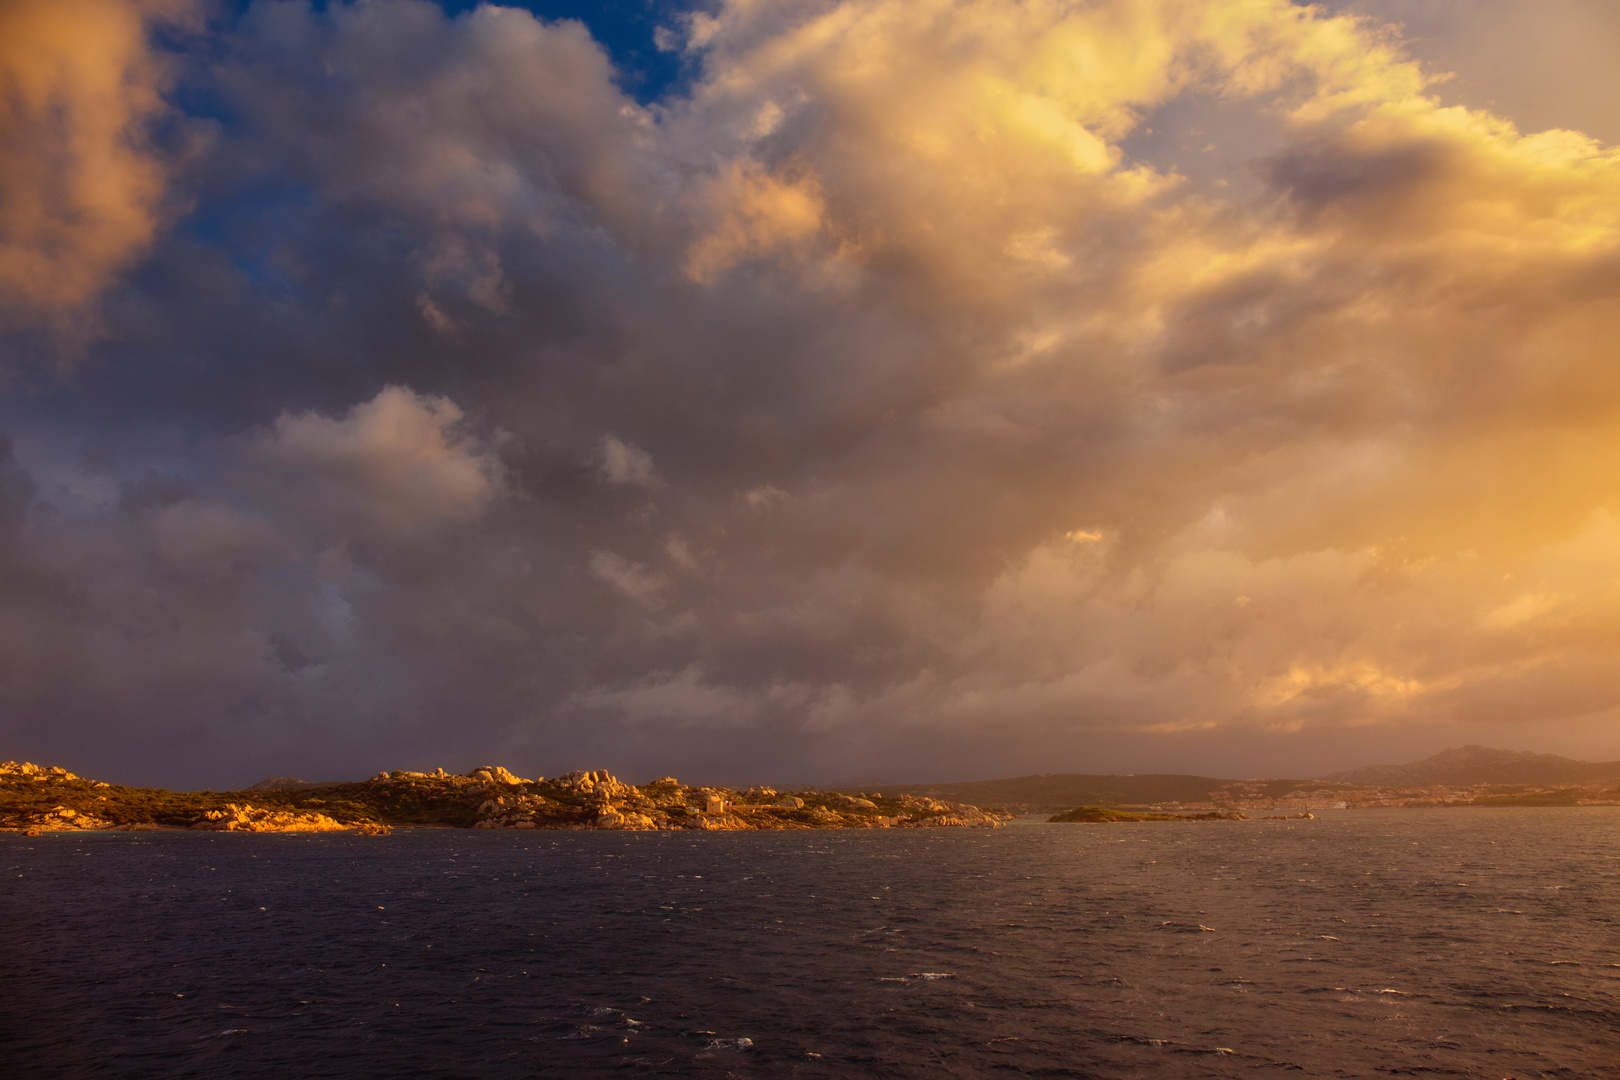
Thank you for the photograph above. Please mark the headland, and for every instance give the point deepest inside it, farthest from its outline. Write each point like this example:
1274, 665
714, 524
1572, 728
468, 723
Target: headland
36, 799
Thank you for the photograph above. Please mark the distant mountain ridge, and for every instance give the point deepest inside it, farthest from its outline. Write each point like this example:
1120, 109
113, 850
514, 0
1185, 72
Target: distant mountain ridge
1458, 767
1465, 765
290, 783
1047, 792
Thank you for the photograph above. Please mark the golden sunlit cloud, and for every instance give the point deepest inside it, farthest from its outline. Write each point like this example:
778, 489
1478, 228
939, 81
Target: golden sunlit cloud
1404, 342
81, 190
977, 373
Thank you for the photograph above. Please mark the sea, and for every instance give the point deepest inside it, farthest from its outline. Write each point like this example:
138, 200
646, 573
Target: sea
1480, 943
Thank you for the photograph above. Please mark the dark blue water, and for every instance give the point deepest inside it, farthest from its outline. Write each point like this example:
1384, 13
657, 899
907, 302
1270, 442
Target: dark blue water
1467, 943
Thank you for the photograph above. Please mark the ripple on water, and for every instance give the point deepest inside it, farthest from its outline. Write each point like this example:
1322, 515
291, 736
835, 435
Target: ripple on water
1475, 943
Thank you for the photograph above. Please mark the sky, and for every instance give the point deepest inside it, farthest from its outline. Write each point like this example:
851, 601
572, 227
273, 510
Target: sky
806, 391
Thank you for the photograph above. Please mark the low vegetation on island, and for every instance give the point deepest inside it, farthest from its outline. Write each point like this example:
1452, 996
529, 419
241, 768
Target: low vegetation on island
37, 799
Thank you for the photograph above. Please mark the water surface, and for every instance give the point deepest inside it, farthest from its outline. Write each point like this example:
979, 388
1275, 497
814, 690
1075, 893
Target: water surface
1463, 942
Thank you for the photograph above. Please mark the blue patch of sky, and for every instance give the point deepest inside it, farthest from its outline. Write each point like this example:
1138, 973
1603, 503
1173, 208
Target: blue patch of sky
625, 28
235, 219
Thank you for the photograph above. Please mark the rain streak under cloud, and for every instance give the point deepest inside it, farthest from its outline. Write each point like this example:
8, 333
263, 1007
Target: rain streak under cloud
906, 389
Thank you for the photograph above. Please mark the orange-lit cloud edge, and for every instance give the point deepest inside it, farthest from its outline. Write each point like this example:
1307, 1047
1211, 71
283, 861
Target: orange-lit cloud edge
1326, 448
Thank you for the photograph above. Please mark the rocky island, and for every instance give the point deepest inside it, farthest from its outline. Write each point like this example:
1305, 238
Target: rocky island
36, 799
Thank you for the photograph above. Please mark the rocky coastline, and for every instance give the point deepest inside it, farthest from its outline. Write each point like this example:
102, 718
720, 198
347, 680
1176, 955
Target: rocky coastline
36, 799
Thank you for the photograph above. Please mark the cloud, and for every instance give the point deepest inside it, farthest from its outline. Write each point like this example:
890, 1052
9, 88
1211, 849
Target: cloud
252, 596
395, 464
626, 463
673, 702
82, 194
983, 420
467, 128
758, 214
632, 579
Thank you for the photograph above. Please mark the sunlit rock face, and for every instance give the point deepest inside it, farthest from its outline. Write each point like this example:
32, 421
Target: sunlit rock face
34, 798
61, 819
922, 388
495, 774
25, 771
233, 817
596, 784
598, 800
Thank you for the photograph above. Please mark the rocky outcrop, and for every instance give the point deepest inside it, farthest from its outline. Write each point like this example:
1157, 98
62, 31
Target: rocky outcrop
509, 812
599, 800
721, 822
58, 819
39, 798
494, 774
624, 819
41, 774
600, 784
234, 817
404, 776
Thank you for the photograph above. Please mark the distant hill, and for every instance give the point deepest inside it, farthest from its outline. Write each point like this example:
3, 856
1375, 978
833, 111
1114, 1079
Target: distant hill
1465, 765
1462, 767
290, 783
1051, 792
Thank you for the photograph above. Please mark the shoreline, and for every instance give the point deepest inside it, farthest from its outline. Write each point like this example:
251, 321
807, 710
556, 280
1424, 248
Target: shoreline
36, 799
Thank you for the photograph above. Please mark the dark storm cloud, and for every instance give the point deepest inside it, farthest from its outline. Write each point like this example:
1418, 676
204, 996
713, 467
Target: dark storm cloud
864, 410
